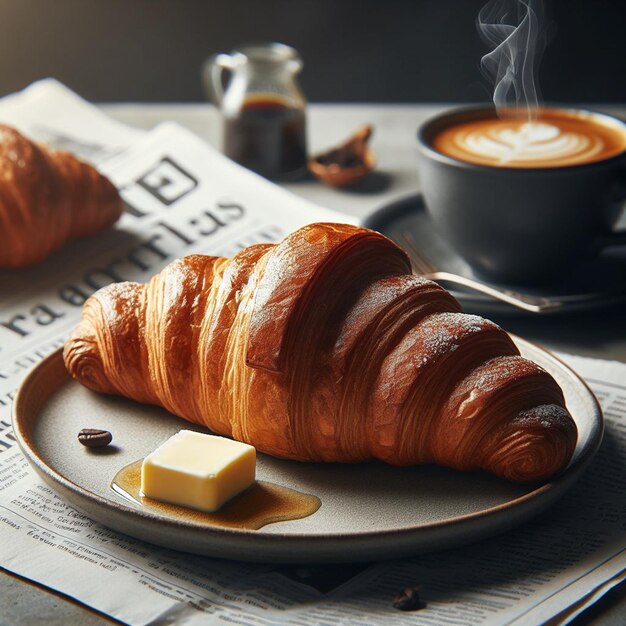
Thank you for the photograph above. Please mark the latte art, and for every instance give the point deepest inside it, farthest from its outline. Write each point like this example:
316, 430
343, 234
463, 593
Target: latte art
553, 140
530, 142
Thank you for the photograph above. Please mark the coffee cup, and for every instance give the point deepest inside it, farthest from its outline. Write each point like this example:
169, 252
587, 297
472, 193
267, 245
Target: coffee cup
524, 201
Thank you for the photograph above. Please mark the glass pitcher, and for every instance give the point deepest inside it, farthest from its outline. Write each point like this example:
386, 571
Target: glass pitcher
263, 108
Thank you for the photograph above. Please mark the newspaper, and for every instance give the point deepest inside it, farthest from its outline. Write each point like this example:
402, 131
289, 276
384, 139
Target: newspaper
48, 111
184, 197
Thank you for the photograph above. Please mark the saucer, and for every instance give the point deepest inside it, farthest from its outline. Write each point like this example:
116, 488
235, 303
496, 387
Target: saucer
595, 284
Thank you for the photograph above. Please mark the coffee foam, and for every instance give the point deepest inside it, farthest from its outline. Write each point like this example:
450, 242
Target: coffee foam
555, 139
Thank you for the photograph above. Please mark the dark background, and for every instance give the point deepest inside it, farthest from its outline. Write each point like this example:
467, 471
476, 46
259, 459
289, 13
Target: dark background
353, 50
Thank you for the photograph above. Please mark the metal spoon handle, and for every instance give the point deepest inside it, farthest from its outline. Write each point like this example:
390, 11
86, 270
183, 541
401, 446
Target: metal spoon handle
534, 304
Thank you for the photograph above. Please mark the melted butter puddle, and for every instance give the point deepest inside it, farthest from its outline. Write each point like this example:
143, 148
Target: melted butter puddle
261, 504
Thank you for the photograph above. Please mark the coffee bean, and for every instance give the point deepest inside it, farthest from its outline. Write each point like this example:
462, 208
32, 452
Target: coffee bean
408, 600
94, 437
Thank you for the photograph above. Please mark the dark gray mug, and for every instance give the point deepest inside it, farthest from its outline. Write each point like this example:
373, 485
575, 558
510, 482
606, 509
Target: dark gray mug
521, 225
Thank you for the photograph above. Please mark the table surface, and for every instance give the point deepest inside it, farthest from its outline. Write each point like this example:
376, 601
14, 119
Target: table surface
599, 334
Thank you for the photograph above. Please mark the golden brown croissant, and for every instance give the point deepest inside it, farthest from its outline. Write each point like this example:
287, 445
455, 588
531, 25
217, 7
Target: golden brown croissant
324, 347
47, 197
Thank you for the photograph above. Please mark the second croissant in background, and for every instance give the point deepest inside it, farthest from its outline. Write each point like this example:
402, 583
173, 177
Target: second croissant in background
46, 198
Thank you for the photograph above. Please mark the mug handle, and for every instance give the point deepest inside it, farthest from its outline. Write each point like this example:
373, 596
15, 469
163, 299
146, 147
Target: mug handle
212, 72
616, 237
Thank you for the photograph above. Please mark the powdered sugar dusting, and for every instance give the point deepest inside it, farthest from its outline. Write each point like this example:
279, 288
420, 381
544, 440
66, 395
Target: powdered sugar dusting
500, 369
444, 331
544, 415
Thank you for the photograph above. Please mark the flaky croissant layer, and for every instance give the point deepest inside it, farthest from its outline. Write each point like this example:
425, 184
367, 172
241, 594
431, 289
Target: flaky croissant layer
324, 347
46, 198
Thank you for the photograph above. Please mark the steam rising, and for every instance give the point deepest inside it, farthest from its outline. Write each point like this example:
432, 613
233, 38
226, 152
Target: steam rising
514, 29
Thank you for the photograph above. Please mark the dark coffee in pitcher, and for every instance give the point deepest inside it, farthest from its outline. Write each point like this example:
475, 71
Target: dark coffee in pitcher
268, 136
263, 108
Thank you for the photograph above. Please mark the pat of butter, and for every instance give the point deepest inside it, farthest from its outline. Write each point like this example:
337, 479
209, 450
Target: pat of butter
198, 471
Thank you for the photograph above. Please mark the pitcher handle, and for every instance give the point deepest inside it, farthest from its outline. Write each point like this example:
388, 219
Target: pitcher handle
212, 72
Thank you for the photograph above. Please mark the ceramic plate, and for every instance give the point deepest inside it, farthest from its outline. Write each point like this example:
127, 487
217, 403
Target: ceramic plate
596, 284
368, 512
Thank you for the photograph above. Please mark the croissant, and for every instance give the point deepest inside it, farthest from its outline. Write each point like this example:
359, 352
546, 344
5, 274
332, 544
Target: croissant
324, 347
46, 198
